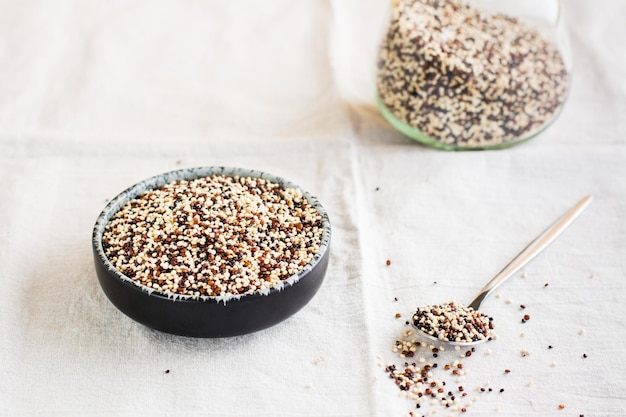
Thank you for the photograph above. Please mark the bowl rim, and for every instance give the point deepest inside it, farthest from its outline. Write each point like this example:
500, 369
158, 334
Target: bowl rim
135, 190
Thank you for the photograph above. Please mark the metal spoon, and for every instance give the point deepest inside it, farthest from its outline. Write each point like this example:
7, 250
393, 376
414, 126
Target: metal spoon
525, 256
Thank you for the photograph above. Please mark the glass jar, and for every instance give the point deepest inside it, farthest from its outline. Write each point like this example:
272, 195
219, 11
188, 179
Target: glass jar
476, 74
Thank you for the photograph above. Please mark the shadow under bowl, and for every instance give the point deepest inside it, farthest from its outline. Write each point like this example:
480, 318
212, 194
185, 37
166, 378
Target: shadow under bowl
207, 316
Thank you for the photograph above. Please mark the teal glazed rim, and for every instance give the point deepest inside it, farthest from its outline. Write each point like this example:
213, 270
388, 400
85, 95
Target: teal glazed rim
419, 136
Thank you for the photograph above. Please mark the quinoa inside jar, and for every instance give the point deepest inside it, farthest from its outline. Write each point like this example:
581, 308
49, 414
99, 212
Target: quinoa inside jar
456, 77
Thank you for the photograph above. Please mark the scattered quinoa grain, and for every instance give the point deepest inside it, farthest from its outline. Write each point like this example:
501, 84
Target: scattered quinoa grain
561, 406
419, 380
387, 262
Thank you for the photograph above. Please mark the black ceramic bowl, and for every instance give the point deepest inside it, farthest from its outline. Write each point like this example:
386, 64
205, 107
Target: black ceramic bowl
207, 316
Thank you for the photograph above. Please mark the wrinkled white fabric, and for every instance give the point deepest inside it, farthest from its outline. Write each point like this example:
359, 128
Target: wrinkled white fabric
98, 95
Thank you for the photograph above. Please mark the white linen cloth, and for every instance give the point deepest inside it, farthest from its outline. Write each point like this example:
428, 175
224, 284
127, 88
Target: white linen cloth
98, 95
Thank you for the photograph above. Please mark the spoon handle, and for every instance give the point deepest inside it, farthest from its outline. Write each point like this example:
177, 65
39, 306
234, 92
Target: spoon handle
532, 250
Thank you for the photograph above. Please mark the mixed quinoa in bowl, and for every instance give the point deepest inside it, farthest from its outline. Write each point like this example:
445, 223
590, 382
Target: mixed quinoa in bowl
211, 252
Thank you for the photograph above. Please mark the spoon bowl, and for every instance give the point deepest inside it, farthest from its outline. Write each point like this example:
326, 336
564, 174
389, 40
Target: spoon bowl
436, 340
524, 257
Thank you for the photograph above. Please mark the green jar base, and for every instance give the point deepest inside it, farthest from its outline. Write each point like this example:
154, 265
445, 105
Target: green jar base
424, 139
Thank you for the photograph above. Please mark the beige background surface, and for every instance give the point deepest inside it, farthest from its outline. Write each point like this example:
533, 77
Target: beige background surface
97, 95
